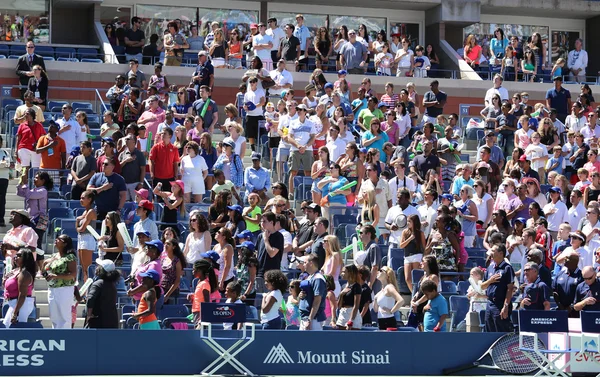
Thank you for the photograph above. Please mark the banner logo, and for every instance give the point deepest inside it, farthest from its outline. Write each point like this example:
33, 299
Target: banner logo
278, 355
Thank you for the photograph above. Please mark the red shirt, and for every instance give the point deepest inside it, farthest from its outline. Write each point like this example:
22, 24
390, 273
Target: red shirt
163, 157
29, 135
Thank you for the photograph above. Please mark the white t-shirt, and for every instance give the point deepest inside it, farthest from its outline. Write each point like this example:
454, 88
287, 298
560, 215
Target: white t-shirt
427, 214
301, 132
287, 240
228, 325
404, 62
284, 122
561, 216
254, 97
502, 92
397, 183
391, 216
574, 123
482, 209
567, 148
576, 213
534, 151
336, 148
274, 312
263, 54
192, 169
238, 144
277, 35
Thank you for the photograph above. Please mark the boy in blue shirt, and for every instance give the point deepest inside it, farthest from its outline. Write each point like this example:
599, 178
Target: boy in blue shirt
555, 163
436, 309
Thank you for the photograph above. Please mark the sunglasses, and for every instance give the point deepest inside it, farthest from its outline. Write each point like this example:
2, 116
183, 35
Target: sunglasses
590, 277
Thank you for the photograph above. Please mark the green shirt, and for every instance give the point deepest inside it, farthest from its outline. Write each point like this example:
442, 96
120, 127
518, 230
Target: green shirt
368, 116
60, 266
251, 226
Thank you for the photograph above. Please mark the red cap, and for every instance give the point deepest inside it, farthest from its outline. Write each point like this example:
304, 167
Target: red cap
146, 204
523, 158
255, 26
178, 183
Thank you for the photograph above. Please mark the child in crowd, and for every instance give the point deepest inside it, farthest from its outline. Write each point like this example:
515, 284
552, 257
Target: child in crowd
146, 314
341, 76
422, 63
172, 95
558, 66
270, 111
366, 296
242, 90
440, 126
109, 127
292, 310
584, 182
384, 61
233, 292
223, 184
538, 155
207, 282
563, 241
436, 309
330, 302
523, 133
556, 162
544, 239
252, 214
475, 293
142, 141
276, 284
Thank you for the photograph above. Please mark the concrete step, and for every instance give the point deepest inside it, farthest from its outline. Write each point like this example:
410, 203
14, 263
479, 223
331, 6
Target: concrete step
45, 310
48, 324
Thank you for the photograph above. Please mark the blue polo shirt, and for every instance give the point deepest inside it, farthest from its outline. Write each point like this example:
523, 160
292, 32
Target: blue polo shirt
497, 292
314, 286
538, 293
347, 109
585, 291
565, 285
559, 99
108, 200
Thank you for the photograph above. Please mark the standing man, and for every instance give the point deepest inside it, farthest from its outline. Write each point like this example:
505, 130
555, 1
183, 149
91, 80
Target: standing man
152, 117
204, 75
499, 283
353, 55
303, 34
133, 166
306, 233
336, 146
257, 178
577, 210
164, 160
301, 136
269, 245
110, 189
564, 285
82, 170
312, 299
383, 196
577, 62
536, 295
282, 77
318, 246
403, 208
559, 98
135, 39
262, 44
423, 162
289, 49
135, 73
206, 108
25, 66
496, 89
556, 211
368, 236
433, 102
70, 130
52, 149
277, 34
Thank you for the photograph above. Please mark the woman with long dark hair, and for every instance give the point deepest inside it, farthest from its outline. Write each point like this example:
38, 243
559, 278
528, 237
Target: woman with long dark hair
109, 30
182, 107
323, 46
224, 248
340, 39
36, 202
113, 243
217, 212
388, 300
236, 223
86, 243
38, 84
18, 288
349, 317
198, 240
444, 244
60, 271
432, 273
153, 250
539, 51
209, 154
433, 59
101, 301
412, 241
207, 284
499, 224
246, 269
173, 262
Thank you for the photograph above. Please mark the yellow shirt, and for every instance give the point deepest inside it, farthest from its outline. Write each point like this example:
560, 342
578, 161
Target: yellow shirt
39, 114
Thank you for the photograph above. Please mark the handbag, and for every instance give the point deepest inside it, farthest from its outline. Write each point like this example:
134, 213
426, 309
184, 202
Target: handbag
41, 221
268, 83
413, 320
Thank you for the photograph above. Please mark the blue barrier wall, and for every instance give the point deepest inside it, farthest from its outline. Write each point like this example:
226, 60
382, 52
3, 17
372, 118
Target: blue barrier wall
98, 352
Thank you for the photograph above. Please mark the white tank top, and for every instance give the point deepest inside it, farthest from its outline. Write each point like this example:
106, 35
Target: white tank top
196, 247
387, 301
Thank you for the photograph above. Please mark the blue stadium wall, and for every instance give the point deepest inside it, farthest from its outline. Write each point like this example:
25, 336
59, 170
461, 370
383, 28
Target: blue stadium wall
135, 352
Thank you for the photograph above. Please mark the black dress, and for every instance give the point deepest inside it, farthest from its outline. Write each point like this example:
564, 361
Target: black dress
102, 301
115, 257
169, 215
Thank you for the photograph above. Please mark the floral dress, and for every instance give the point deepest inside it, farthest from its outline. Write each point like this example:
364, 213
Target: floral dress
243, 276
169, 270
444, 253
60, 267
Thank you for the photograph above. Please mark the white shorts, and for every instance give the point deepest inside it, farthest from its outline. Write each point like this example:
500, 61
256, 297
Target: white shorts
24, 312
344, 317
194, 185
86, 241
314, 325
29, 158
417, 258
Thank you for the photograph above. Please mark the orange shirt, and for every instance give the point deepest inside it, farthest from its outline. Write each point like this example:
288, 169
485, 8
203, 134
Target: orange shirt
54, 161
163, 156
142, 307
199, 296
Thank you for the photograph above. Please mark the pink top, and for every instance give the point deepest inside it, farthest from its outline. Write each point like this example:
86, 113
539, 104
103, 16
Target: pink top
152, 265
19, 236
503, 202
592, 167
11, 287
391, 131
524, 138
152, 126
328, 269
464, 256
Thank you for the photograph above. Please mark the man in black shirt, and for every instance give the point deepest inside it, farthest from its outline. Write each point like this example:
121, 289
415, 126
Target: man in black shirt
499, 283
289, 49
306, 234
318, 246
422, 163
135, 39
269, 245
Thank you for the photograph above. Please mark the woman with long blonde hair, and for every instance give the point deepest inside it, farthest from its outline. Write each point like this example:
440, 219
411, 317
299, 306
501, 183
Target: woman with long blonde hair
219, 50
387, 301
370, 209
333, 261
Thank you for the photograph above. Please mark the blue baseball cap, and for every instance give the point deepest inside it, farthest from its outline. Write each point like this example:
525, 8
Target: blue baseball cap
152, 274
342, 72
248, 244
108, 140
328, 86
382, 104
235, 207
145, 233
244, 234
447, 196
211, 255
155, 243
555, 189
362, 150
521, 220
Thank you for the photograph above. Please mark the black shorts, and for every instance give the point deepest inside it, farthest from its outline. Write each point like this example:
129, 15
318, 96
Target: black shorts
252, 125
305, 60
386, 323
274, 141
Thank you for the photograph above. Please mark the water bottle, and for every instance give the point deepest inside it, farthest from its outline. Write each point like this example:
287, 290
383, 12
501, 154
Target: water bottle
51, 149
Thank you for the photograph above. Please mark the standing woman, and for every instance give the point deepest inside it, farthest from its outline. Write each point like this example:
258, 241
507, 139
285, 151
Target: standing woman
387, 301
86, 243
321, 122
349, 317
592, 191
235, 50
219, 50
484, 203
333, 261
194, 172
173, 262
432, 272
323, 48
246, 271
351, 167
412, 241
472, 52
18, 288
60, 271
363, 37
320, 169
209, 154
443, 243
182, 107
173, 202
539, 51
101, 301
498, 45
224, 248
199, 239
6, 163
375, 138
370, 209
340, 40
36, 202
433, 59
235, 133
467, 211
231, 164
38, 84
331, 186
113, 241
